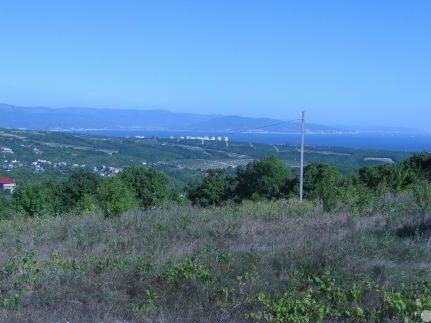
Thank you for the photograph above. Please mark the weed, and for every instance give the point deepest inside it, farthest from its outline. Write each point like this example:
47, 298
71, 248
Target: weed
188, 270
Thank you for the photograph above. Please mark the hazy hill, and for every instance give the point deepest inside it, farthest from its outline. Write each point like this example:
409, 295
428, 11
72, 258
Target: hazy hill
44, 118
41, 118
244, 124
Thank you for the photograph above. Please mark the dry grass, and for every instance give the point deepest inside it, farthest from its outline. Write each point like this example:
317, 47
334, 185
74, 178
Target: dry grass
93, 269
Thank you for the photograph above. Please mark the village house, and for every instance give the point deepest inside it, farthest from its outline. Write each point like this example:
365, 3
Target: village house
7, 184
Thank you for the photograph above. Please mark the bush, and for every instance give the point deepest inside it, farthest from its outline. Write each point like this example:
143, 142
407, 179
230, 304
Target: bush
150, 186
358, 198
33, 200
422, 191
213, 190
323, 182
115, 197
390, 177
87, 203
268, 178
188, 270
373, 177
77, 191
421, 165
6, 207
324, 298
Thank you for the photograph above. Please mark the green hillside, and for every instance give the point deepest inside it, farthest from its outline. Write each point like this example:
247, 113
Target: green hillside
59, 154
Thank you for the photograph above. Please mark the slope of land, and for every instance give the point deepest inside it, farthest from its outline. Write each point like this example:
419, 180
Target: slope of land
228, 264
26, 153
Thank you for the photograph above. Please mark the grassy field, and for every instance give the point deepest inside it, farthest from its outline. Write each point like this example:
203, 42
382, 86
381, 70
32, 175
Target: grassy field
254, 262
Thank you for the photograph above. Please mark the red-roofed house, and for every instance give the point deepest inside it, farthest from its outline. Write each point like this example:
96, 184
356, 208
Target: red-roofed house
7, 184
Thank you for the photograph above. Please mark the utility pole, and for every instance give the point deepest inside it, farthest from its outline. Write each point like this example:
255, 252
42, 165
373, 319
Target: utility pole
301, 176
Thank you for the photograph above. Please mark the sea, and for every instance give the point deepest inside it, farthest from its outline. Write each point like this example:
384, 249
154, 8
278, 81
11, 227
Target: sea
376, 141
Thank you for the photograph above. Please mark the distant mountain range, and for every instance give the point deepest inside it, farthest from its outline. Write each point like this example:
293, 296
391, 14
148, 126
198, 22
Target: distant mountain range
66, 119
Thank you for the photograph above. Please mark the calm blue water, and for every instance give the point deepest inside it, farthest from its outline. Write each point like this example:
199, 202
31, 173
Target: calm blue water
401, 142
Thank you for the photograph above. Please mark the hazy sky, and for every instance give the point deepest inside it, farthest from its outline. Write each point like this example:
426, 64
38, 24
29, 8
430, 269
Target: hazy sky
345, 62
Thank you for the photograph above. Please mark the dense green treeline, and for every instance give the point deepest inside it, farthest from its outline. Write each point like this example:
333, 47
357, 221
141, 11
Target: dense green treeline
268, 178
85, 191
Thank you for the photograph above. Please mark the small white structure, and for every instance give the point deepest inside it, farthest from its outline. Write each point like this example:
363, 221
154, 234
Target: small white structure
6, 150
7, 184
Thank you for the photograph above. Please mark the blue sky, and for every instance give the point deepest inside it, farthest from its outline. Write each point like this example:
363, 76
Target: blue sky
344, 62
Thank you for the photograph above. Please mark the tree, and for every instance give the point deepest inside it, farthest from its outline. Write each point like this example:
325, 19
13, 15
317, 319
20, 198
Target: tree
266, 178
78, 191
150, 186
401, 177
115, 197
387, 177
322, 182
374, 177
32, 200
5, 206
213, 189
420, 164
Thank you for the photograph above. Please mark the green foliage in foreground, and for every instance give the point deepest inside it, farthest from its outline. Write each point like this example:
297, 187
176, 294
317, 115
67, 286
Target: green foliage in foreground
323, 297
264, 261
308, 298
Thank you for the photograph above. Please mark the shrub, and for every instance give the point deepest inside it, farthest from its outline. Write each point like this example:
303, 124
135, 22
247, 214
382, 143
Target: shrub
19, 275
324, 298
394, 177
358, 198
264, 179
374, 177
422, 191
33, 200
6, 207
421, 165
78, 189
150, 186
188, 270
213, 190
87, 203
115, 197
323, 182
401, 177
